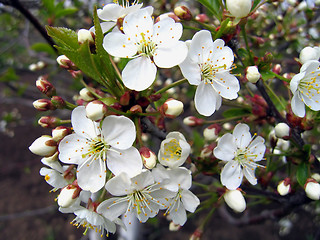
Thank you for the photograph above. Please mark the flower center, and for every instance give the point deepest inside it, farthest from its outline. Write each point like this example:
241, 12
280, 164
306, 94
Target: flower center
146, 46
309, 85
172, 150
98, 148
209, 70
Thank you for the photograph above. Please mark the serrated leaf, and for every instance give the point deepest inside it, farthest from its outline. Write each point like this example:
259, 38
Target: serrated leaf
234, 112
43, 47
64, 37
213, 7
302, 173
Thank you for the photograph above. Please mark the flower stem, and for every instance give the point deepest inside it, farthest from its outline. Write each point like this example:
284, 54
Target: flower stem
226, 119
274, 95
181, 81
244, 34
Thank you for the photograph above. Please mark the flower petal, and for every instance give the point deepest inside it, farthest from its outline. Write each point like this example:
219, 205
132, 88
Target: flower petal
139, 73
206, 99
189, 200
71, 148
128, 161
119, 185
178, 213
242, 135
82, 125
297, 106
226, 148
191, 71
118, 131
167, 32
231, 175
119, 45
256, 149
226, 85
201, 46
249, 173
112, 208
167, 57
142, 180
110, 12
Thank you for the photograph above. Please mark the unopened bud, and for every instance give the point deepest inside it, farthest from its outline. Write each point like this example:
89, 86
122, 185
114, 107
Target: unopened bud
197, 234
43, 105
65, 62
203, 18
149, 158
174, 227
85, 35
284, 187
44, 146
41, 65
60, 132
45, 86
33, 67
309, 53
212, 132
316, 176
253, 74
96, 110
171, 108
166, 15
136, 109
282, 130
277, 69
192, 121
239, 8
235, 200
68, 196
49, 122
312, 189
125, 99
58, 102
86, 95
183, 13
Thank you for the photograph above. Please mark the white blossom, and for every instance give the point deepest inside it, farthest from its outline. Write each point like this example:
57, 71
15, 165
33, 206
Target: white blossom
235, 200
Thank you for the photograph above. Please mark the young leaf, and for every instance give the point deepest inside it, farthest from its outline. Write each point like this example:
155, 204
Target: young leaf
64, 37
302, 173
234, 112
213, 7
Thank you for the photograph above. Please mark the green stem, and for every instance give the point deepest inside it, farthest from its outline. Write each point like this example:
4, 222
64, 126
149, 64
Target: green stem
181, 81
148, 114
118, 111
244, 34
280, 77
61, 122
226, 119
69, 105
274, 95
138, 129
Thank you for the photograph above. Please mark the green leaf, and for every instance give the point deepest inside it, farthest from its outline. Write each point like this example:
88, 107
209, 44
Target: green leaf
213, 7
64, 37
198, 140
223, 26
49, 5
65, 12
108, 100
43, 47
302, 173
255, 3
234, 112
267, 75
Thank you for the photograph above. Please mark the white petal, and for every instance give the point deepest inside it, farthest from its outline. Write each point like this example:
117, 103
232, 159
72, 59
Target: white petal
82, 125
226, 148
110, 12
191, 71
167, 57
297, 106
257, 149
92, 175
119, 45
189, 200
71, 148
53, 178
112, 208
142, 180
106, 26
178, 213
249, 173
226, 85
206, 99
181, 176
242, 135
119, 185
231, 175
167, 32
139, 73
128, 161
310, 66
311, 101
118, 131
295, 81
222, 56
201, 46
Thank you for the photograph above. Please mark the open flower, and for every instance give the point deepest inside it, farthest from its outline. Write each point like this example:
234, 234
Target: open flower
149, 45
91, 145
141, 196
241, 152
207, 65
174, 150
305, 88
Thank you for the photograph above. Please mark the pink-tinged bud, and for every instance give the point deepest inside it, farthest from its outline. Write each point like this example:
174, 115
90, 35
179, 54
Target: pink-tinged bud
68, 195
166, 15
43, 105
277, 69
197, 234
85, 35
212, 132
203, 18
282, 130
125, 99
192, 121
235, 200
96, 110
136, 109
171, 108
149, 158
312, 189
58, 102
252, 74
155, 97
60, 132
284, 187
86, 95
49, 122
183, 13
45, 86
44, 146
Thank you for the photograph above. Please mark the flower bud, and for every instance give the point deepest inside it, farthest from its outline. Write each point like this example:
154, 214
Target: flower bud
85, 35
32, 67
44, 146
316, 176
309, 53
149, 158
125, 99
282, 130
197, 234
65, 62
203, 18
166, 15
235, 200
86, 95
183, 13
43, 105
239, 8
174, 227
60, 132
284, 187
136, 109
58, 102
68, 196
40, 65
45, 86
171, 108
49, 122
277, 69
212, 132
96, 110
192, 121
253, 74
312, 189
